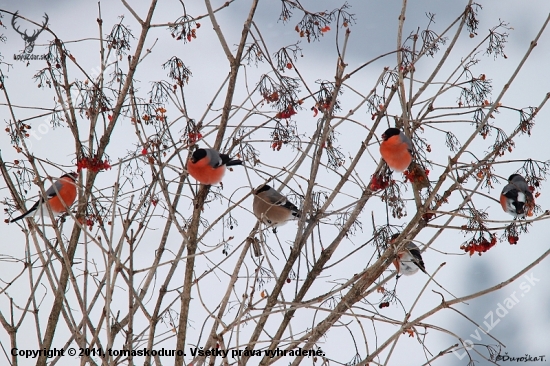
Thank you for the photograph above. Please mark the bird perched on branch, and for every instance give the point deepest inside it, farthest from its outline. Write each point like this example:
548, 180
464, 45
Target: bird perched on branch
516, 197
396, 150
272, 208
60, 196
208, 166
409, 260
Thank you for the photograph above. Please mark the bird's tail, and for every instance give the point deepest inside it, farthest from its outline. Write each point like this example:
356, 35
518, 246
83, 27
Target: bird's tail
293, 209
30, 212
26, 214
234, 162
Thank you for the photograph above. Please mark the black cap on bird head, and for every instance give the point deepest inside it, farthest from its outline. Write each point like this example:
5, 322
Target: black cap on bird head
390, 132
72, 175
393, 237
198, 155
514, 176
262, 188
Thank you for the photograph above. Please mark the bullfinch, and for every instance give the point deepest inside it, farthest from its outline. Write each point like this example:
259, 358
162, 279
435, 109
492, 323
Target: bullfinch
409, 260
396, 149
516, 198
208, 166
272, 208
59, 197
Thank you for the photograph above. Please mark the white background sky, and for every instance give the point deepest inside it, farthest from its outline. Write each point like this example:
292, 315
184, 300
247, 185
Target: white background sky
524, 330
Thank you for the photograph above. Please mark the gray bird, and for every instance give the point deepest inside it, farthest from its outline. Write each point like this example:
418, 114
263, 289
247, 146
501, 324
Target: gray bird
272, 208
409, 260
516, 198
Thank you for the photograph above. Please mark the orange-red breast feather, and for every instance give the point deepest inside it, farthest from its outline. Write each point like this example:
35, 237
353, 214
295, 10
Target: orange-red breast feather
396, 149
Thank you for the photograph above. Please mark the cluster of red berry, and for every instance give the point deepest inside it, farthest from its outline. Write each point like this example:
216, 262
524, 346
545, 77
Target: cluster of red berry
416, 176
379, 182
194, 137
287, 113
94, 164
277, 143
479, 245
273, 97
90, 220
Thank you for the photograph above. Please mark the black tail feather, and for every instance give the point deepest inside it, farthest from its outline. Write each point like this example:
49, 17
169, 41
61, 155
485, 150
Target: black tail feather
226, 160
234, 162
32, 209
19, 217
292, 207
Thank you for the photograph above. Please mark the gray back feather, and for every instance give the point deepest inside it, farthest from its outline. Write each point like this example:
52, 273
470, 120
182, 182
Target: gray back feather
51, 192
520, 183
275, 197
214, 158
406, 140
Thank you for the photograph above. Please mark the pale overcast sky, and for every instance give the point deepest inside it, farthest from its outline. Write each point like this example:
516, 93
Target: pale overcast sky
524, 329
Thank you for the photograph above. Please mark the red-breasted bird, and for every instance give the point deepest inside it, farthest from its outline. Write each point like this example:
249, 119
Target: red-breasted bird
409, 260
208, 166
396, 149
60, 196
272, 208
516, 198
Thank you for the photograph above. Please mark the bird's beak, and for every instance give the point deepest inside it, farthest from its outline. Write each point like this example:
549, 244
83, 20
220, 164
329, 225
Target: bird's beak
384, 136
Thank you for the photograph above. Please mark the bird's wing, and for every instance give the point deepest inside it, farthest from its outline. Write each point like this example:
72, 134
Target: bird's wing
292, 207
521, 185
510, 191
214, 158
415, 252
407, 140
52, 192
276, 201
275, 198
